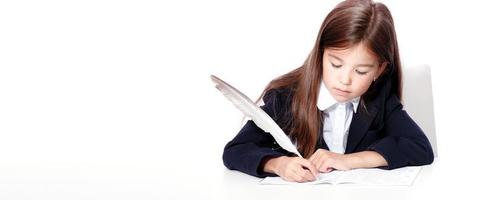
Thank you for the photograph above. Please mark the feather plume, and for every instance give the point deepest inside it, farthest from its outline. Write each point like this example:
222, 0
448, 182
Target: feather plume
254, 112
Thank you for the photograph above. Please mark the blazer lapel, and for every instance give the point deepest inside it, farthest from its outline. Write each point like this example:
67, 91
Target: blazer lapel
321, 141
361, 121
358, 127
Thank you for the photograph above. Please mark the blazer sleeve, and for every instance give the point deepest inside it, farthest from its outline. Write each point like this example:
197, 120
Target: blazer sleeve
252, 145
404, 143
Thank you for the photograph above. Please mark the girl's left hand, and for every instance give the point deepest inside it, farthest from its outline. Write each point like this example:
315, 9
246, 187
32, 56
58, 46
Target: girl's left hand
326, 161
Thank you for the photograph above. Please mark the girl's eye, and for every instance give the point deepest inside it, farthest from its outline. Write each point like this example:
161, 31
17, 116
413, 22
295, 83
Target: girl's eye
361, 73
336, 66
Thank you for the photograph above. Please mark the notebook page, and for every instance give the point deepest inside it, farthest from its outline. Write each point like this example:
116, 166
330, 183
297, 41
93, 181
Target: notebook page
323, 178
401, 176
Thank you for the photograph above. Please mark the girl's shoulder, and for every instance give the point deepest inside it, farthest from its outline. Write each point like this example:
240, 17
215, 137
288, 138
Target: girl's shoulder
382, 99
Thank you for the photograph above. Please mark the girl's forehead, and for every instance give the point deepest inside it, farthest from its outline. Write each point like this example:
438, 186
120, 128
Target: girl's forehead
358, 51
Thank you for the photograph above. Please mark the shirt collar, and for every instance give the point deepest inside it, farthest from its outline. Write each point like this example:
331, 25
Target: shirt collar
326, 100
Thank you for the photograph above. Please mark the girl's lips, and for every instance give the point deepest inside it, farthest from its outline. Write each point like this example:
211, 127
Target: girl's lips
341, 92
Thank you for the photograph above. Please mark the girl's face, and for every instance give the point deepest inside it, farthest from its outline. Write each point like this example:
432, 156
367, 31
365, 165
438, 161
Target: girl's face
348, 73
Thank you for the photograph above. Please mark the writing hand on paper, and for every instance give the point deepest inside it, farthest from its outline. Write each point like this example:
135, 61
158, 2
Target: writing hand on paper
295, 169
326, 161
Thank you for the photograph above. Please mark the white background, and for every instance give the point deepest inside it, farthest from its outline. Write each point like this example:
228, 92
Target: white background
112, 99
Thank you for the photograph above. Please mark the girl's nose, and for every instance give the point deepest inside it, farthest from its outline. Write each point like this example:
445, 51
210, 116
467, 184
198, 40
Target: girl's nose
345, 79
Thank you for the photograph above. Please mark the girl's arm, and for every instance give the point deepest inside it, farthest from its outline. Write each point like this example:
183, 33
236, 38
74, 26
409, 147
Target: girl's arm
404, 142
326, 161
252, 146
249, 149
365, 159
401, 143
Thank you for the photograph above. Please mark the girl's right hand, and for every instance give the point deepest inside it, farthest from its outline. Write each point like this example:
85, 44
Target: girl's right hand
295, 169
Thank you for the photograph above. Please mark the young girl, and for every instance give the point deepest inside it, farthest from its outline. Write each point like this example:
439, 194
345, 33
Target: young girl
342, 108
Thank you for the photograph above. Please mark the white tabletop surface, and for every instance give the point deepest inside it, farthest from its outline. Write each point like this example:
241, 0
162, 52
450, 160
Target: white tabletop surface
50, 180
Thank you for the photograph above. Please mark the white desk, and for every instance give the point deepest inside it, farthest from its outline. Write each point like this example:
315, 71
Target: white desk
433, 181
161, 181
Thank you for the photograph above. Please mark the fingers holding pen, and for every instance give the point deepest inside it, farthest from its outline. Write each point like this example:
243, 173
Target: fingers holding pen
296, 169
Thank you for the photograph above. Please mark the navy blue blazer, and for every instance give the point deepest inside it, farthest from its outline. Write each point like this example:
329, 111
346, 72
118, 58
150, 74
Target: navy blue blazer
386, 129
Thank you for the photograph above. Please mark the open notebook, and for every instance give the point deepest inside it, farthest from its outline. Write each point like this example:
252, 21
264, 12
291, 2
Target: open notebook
402, 176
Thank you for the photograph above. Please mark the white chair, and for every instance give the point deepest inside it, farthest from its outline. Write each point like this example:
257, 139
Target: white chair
418, 100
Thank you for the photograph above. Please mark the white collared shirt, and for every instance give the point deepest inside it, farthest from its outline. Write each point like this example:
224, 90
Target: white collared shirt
337, 118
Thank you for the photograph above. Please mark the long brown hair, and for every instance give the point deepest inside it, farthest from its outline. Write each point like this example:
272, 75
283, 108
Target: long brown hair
349, 23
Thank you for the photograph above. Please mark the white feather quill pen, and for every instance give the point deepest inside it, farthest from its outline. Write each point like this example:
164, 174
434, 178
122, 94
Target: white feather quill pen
251, 110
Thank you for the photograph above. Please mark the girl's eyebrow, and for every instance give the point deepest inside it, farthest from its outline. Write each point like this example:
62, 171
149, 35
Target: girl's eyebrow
358, 65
